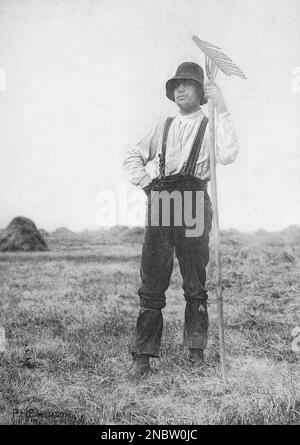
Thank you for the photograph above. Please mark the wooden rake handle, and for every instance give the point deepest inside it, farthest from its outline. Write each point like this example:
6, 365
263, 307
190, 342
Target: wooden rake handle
213, 177
215, 59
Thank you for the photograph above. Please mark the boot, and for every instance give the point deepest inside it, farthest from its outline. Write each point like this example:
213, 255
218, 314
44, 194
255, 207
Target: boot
140, 367
196, 357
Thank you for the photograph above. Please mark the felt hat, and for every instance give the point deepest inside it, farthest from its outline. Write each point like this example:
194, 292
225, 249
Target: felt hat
187, 70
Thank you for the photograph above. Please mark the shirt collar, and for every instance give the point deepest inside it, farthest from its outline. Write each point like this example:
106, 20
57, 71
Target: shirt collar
190, 116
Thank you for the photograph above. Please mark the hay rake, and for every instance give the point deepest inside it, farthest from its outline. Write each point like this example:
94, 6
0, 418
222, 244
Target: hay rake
215, 59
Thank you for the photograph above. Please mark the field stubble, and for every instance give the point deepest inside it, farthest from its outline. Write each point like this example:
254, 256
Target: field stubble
70, 314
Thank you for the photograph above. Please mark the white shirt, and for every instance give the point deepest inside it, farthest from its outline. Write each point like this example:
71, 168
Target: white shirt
182, 133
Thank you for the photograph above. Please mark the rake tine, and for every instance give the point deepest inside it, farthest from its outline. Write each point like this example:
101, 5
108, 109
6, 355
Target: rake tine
218, 54
202, 43
235, 74
229, 68
221, 60
207, 47
215, 54
226, 64
232, 72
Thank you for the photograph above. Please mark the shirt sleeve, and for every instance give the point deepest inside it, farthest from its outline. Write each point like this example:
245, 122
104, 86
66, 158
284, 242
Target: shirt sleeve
137, 157
227, 145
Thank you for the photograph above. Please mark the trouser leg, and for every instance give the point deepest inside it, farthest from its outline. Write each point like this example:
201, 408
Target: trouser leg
155, 271
193, 255
149, 328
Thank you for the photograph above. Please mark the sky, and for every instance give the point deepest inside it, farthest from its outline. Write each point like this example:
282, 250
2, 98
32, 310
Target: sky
81, 81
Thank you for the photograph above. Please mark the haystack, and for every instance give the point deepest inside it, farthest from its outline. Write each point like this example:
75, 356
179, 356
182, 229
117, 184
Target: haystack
63, 232
21, 235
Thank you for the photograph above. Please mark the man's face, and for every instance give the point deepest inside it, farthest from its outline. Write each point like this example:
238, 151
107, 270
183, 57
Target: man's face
187, 95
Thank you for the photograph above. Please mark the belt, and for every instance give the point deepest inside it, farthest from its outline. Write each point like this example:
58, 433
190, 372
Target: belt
179, 182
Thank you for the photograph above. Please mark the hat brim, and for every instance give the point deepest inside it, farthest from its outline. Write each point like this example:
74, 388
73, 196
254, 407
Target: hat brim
171, 84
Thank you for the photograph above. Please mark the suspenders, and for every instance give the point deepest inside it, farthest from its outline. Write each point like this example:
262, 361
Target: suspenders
162, 155
189, 168
191, 163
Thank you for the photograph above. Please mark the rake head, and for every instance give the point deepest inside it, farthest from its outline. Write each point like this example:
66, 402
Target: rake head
215, 58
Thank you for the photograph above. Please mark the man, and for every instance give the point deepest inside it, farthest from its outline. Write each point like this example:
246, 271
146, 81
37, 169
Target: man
179, 150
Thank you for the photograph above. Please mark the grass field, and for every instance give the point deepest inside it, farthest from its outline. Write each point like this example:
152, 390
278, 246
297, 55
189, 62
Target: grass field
70, 314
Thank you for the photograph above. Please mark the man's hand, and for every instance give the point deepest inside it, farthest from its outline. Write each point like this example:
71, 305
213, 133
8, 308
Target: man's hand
212, 91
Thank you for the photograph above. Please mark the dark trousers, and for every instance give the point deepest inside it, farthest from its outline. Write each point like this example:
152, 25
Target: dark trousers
156, 269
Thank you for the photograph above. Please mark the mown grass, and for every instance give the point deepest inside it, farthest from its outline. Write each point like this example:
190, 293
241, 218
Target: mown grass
70, 314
